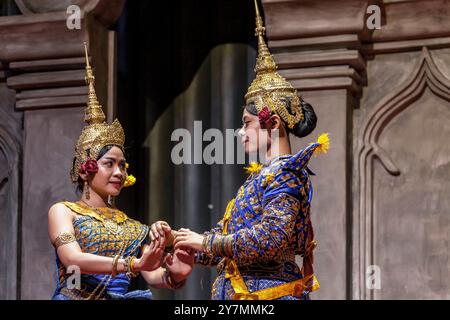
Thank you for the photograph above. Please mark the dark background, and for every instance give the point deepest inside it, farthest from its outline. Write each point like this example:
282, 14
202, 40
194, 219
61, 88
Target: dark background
160, 48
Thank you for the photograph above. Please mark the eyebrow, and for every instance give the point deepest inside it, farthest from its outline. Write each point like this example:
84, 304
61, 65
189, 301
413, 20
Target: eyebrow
114, 159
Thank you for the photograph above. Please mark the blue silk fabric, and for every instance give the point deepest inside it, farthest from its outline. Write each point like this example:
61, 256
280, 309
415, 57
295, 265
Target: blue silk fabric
268, 226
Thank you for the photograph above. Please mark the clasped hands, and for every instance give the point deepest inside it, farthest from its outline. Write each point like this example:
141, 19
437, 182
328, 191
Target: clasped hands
183, 239
179, 259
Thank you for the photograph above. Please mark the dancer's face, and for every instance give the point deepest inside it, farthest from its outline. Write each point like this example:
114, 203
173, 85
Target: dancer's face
111, 173
252, 135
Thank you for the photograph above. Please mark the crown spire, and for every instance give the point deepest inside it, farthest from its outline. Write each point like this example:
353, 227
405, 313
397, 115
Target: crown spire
265, 62
269, 88
93, 112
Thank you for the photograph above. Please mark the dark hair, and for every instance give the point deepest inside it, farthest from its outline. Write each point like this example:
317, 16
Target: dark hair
103, 151
301, 129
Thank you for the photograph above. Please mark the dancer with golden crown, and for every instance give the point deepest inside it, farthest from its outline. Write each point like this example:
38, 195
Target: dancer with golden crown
268, 222
93, 237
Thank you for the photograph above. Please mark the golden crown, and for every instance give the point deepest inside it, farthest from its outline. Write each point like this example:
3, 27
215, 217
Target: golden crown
97, 133
269, 88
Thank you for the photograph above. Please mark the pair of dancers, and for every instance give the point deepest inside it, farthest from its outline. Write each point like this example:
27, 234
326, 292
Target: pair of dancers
253, 247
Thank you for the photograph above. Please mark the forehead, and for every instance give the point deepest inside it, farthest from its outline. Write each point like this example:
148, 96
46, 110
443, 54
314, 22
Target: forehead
115, 153
247, 114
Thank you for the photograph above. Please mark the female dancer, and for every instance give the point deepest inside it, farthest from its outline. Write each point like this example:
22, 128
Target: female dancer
268, 222
99, 249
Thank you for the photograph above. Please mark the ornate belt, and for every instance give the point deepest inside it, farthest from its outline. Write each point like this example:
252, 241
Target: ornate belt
293, 288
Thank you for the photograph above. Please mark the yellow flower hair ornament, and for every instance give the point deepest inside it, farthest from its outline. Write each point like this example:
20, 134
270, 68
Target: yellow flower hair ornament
324, 144
130, 180
253, 168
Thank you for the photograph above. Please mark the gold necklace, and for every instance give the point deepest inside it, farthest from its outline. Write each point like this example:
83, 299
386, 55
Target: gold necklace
109, 223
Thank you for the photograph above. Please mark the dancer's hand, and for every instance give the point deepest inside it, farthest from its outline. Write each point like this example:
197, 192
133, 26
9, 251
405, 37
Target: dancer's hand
180, 264
151, 256
186, 238
159, 229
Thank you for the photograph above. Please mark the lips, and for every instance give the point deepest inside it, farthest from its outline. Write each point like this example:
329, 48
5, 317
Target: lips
116, 184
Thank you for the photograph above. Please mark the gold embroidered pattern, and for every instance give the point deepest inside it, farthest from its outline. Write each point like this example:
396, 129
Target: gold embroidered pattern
94, 237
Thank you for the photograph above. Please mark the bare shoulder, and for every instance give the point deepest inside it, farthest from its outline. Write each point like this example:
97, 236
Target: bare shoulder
59, 210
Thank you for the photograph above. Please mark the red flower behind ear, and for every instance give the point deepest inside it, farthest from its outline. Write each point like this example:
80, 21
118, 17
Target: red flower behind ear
89, 167
264, 115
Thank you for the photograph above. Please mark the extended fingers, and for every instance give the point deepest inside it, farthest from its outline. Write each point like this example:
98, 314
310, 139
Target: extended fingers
153, 233
162, 242
162, 227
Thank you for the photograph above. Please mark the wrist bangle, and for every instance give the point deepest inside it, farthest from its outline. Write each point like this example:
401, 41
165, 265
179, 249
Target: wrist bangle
171, 284
204, 244
132, 264
207, 244
114, 271
128, 267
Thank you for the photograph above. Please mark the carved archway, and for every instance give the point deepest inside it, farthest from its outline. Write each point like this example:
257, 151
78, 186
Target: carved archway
11, 187
426, 75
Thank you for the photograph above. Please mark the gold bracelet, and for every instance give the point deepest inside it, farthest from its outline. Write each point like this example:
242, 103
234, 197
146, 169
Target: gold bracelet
206, 244
128, 267
171, 284
114, 265
64, 238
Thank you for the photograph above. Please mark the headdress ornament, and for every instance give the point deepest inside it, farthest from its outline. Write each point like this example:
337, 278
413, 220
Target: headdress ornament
269, 89
97, 133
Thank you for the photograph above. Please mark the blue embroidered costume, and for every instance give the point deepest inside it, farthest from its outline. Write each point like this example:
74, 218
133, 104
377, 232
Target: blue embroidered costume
265, 226
268, 222
105, 236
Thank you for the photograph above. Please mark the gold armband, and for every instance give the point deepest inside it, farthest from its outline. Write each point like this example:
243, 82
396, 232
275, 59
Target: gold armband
64, 238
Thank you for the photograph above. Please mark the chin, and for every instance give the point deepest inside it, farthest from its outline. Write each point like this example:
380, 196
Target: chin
114, 192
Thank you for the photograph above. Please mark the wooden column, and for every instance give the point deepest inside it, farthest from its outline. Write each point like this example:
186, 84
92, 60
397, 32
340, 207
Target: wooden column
370, 88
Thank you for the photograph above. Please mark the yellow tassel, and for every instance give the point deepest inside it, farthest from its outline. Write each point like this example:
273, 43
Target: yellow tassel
254, 167
268, 179
131, 180
324, 144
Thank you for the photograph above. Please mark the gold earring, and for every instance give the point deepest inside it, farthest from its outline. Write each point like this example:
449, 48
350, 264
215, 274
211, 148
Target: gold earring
86, 190
111, 200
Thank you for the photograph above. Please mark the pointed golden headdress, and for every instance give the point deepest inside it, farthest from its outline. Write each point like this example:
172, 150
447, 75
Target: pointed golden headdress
269, 89
97, 133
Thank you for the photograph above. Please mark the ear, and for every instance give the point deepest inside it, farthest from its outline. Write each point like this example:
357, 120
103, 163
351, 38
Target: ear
276, 122
83, 176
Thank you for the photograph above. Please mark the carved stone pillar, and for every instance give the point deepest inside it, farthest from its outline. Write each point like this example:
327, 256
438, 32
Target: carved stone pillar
44, 62
317, 46
10, 190
371, 89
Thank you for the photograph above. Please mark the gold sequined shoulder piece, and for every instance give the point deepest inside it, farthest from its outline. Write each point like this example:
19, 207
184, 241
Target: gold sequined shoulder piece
86, 211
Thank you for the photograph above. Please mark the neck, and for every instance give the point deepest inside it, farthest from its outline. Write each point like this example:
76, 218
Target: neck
95, 200
278, 148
